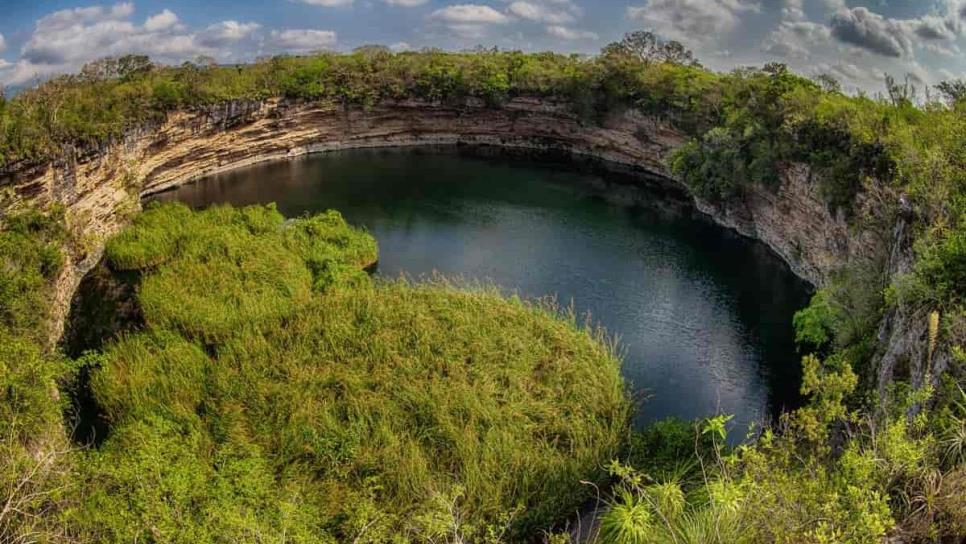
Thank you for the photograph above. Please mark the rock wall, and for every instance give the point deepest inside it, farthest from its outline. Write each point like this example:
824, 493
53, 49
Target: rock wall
102, 189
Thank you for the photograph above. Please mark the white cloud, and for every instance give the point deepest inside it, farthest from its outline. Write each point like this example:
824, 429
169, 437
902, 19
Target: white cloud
468, 31
691, 21
400, 46
951, 50
796, 39
327, 3
162, 21
406, 3
67, 18
226, 33
469, 21
834, 5
566, 33
470, 14
853, 74
541, 13
933, 27
64, 40
947, 75
303, 39
873, 32
794, 10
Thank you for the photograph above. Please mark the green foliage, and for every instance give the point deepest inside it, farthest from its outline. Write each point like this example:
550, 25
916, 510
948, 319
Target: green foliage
35, 475
30, 258
941, 266
815, 324
770, 118
156, 480
644, 511
219, 270
670, 450
843, 316
645, 46
274, 393
829, 383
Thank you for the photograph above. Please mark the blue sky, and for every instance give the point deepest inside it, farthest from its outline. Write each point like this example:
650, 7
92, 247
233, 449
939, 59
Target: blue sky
854, 41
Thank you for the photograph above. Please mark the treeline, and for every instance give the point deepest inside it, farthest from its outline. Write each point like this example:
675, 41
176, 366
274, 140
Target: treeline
746, 123
113, 95
746, 126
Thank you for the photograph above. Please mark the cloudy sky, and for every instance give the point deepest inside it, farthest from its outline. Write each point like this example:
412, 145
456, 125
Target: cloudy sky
856, 41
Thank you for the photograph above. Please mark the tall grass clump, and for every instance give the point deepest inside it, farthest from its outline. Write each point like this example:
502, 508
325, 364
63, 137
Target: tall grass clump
278, 391
212, 272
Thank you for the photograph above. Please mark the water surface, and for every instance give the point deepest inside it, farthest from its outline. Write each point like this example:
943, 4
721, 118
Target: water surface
703, 315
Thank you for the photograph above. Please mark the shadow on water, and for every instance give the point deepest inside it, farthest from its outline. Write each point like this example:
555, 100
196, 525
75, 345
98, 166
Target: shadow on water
703, 314
103, 308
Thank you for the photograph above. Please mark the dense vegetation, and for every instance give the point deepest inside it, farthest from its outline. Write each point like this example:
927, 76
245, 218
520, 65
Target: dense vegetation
237, 302
33, 442
274, 392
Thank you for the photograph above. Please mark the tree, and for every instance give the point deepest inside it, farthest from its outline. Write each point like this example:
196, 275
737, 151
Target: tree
124, 67
372, 50
953, 91
775, 68
900, 94
646, 47
828, 83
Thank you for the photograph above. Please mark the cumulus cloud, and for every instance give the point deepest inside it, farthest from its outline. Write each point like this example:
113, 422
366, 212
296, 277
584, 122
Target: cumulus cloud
469, 21
71, 33
852, 74
793, 10
933, 27
400, 46
796, 39
871, 31
469, 14
327, 3
945, 50
303, 39
554, 14
692, 21
226, 33
68, 18
64, 40
162, 21
566, 33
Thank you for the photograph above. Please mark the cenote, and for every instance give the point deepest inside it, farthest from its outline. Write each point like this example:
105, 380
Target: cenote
703, 316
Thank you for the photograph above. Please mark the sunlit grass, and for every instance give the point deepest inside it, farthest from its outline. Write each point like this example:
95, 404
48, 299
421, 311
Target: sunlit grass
402, 409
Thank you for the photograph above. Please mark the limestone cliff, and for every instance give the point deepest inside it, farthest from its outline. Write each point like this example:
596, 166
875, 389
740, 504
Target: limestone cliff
102, 188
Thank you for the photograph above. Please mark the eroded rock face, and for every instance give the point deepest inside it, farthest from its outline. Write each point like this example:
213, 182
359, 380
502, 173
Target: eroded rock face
102, 189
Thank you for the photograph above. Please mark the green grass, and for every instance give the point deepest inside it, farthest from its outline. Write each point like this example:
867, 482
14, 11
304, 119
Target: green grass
213, 272
269, 395
34, 473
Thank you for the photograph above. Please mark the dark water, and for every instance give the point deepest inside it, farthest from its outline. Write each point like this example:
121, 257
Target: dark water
704, 316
